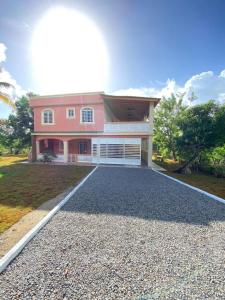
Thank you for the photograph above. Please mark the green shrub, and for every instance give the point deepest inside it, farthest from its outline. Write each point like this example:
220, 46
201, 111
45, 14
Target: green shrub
49, 152
48, 155
219, 171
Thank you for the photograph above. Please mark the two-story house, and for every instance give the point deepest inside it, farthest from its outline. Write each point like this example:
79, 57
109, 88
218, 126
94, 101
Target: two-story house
94, 128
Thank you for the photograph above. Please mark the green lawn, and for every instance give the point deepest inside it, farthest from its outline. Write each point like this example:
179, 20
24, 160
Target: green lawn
25, 187
208, 183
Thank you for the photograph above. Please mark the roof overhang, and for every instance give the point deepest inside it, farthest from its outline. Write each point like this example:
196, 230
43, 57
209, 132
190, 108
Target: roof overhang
131, 98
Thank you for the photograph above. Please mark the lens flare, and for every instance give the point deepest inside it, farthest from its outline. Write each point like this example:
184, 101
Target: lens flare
68, 53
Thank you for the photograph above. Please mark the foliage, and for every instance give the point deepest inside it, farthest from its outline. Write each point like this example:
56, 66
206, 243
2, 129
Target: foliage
194, 134
47, 155
15, 133
198, 129
3, 96
220, 126
215, 156
166, 129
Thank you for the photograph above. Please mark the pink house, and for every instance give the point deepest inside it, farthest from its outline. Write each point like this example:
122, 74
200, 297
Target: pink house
94, 128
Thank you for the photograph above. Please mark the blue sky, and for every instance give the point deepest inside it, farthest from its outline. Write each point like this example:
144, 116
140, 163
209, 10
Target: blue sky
153, 46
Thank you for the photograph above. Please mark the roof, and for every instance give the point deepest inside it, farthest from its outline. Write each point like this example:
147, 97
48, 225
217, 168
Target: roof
103, 95
135, 98
68, 95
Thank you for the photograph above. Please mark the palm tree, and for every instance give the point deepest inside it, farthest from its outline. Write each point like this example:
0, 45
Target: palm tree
4, 97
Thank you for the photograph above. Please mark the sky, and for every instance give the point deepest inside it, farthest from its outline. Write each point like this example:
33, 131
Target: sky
154, 47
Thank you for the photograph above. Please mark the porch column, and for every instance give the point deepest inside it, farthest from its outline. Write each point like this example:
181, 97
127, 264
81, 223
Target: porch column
150, 151
65, 149
37, 148
151, 123
151, 116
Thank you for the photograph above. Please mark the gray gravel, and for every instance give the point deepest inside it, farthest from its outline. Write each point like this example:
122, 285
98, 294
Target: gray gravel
128, 233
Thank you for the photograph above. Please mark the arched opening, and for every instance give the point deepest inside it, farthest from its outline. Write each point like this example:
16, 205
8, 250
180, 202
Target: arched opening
79, 150
54, 147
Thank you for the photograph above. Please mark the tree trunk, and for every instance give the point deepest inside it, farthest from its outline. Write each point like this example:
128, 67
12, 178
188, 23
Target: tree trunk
174, 155
186, 164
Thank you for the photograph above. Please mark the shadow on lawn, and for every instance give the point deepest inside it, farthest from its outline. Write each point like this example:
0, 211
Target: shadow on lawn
142, 193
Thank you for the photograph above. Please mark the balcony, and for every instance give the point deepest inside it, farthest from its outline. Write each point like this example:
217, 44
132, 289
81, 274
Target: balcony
128, 127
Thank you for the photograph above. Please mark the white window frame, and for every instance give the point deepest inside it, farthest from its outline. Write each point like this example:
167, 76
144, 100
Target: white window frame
67, 113
93, 115
42, 116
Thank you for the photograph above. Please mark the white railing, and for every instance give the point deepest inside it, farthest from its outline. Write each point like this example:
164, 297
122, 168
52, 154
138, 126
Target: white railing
79, 158
134, 127
84, 158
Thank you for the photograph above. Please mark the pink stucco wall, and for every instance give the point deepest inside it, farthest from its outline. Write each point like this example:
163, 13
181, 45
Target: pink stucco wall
60, 105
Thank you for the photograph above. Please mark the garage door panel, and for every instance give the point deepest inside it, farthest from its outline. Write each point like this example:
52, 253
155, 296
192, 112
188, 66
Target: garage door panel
117, 150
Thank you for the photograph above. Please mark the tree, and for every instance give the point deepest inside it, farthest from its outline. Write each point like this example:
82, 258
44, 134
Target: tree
166, 129
3, 96
198, 127
220, 126
16, 132
6, 136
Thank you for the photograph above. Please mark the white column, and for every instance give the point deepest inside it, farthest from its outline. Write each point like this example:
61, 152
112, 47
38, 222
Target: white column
65, 149
151, 123
37, 149
150, 151
151, 117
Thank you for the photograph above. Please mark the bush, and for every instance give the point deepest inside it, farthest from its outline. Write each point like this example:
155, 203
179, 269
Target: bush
49, 152
48, 155
219, 171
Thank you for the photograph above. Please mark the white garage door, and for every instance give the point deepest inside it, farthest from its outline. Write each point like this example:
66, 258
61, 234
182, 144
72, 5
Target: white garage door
126, 151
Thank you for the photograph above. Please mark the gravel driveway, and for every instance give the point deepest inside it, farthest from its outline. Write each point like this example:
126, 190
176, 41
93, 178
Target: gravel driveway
128, 233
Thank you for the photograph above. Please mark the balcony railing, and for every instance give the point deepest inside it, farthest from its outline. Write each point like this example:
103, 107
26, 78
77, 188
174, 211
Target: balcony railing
123, 127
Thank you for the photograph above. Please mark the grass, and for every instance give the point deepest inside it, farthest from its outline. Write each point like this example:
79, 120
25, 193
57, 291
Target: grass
208, 183
25, 187
12, 159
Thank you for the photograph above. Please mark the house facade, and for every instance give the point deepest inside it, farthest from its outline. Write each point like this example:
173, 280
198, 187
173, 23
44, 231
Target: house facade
94, 128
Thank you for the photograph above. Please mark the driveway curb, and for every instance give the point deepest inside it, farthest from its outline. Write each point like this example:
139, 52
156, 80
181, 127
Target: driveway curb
212, 196
11, 254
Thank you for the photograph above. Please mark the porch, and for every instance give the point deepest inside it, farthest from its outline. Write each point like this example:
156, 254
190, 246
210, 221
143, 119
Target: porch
72, 151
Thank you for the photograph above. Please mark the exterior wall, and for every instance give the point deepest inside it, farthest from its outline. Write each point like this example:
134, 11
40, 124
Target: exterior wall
61, 123
74, 146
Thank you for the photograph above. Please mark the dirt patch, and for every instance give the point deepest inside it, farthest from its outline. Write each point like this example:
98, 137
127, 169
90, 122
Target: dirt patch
11, 236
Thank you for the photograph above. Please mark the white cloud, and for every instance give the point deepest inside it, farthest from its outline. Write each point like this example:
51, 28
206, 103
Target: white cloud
2, 52
5, 76
205, 86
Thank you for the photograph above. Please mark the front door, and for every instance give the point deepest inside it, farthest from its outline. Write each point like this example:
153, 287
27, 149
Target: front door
82, 147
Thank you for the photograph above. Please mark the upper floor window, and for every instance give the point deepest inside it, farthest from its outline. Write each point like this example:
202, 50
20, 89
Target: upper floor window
48, 116
70, 113
87, 115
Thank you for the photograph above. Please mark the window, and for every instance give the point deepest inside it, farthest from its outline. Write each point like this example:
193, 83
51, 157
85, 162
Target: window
47, 116
70, 113
87, 115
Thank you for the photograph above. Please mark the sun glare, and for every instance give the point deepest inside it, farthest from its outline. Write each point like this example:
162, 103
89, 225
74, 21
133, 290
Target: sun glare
68, 53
